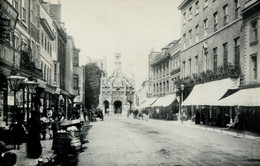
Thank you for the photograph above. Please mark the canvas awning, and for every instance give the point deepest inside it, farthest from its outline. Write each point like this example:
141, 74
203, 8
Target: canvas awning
148, 102
244, 97
209, 93
164, 101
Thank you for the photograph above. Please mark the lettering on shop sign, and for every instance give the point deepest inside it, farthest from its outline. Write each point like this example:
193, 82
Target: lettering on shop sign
8, 19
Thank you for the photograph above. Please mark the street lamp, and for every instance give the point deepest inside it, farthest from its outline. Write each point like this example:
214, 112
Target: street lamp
14, 84
182, 88
30, 88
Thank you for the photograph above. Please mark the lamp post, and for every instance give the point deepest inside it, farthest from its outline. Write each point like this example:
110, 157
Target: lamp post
182, 88
15, 79
30, 88
14, 84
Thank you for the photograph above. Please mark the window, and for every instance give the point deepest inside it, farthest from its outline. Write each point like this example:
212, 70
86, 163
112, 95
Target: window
75, 81
44, 72
160, 88
164, 87
197, 7
167, 86
215, 57
254, 33
254, 66
237, 52
205, 3
184, 40
205, 27
16, 42
45, 43
15, 4
184, 18
206, 59
197, 33
197, 64
237, 10
42, 39
184, 72
55, 72
190, 11
190, 33
190, 67
215, 17
225, 10
23, 11
225, 54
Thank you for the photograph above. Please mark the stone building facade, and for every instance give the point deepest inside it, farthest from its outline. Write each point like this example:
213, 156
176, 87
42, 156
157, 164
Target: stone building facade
36, 49
117, 91
164, 69
210, 35
250, 38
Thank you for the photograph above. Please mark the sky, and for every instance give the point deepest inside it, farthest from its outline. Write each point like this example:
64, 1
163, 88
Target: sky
130, 27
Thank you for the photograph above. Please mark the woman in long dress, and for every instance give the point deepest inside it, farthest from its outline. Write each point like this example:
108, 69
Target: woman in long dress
34, 148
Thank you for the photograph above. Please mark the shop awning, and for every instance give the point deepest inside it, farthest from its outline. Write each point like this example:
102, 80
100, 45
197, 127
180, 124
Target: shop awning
244, 97
148, 102
42, 84
209, 93
164, 101
50, 89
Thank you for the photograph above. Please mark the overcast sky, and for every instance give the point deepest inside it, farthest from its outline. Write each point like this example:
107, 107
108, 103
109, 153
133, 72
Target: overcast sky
130, 27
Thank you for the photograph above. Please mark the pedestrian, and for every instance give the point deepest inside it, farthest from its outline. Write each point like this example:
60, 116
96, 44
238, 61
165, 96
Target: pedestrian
18, 134
34, 148
85, 113
55, 127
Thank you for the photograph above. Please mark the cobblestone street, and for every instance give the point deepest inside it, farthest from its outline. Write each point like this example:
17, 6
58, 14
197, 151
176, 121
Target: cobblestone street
121, 141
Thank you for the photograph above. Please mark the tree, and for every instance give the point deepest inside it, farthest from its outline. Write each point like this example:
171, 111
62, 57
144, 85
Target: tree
92, 84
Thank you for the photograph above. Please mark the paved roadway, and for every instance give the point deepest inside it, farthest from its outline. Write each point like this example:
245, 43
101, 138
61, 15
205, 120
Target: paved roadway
119, 141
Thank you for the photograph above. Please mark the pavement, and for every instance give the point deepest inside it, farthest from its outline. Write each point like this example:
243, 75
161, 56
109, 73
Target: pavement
23, 160
227, 131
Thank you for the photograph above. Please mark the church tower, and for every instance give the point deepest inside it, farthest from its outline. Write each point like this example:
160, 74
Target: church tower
117, 62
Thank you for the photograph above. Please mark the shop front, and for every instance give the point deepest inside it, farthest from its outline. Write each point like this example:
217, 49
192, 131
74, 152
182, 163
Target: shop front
202, 103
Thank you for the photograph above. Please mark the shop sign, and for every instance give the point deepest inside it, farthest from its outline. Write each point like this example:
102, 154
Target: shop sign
8, 19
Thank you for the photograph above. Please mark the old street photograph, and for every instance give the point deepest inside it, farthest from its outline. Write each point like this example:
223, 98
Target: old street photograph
129, 82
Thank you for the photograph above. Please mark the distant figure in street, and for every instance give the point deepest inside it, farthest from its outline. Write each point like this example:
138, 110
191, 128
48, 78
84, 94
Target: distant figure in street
55, 127
34, 148
85, 114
